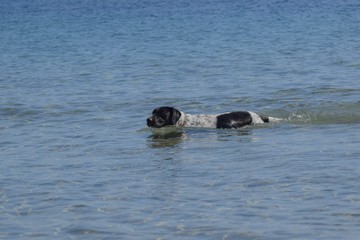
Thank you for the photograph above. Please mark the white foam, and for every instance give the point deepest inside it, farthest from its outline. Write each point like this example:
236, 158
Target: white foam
274, 119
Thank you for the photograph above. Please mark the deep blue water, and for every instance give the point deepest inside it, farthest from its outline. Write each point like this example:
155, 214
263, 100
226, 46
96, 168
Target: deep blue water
79, 78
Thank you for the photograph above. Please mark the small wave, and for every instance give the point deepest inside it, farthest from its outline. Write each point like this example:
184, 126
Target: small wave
324, 118
344, 113
10, 112
84, 231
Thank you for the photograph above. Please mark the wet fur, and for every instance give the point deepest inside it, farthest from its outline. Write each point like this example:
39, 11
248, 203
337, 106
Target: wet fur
169, 116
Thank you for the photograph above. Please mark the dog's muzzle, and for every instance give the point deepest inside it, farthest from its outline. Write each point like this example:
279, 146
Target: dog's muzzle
149, 122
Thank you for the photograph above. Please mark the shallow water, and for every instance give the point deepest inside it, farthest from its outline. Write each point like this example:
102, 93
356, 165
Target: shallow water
78, 80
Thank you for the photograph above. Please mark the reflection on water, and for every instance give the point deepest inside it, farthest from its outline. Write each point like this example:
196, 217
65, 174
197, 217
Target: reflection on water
171, 137
168, 137
226, 135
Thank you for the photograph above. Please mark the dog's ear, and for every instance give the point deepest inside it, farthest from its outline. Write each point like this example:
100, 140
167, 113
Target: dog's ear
155, 111
175, 116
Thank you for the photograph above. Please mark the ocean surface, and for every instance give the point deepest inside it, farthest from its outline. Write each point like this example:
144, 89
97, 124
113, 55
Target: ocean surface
79, 78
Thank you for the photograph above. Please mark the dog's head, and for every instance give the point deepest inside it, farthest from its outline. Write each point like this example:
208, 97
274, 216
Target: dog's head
163, 116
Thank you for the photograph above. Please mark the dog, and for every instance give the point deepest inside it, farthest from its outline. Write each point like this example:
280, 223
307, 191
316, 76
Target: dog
169, 116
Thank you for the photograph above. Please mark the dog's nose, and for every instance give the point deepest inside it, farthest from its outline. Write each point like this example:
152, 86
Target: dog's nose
148, 122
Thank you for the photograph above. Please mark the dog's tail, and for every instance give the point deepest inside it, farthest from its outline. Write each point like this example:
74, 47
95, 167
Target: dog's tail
270, 119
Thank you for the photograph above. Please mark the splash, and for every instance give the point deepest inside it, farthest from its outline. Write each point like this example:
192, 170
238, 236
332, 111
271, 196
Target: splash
344, 113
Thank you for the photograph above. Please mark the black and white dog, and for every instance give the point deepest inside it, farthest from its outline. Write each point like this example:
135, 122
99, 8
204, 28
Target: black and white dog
169, 116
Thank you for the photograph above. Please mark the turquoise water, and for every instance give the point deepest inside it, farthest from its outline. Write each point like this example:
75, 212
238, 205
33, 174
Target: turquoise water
79, 78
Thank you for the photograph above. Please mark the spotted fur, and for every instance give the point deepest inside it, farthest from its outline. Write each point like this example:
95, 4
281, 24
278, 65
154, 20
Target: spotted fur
169, 116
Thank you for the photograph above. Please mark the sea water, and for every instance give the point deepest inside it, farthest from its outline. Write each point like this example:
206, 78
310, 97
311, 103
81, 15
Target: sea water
79, 78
